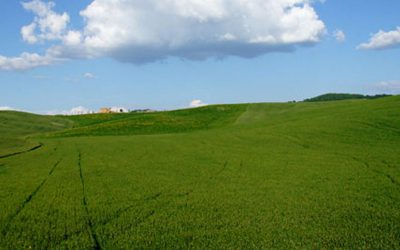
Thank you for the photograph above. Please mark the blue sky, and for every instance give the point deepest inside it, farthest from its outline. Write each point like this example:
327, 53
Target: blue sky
128, 73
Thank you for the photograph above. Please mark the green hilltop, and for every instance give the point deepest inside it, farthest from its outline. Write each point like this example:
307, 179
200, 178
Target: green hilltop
246, 176
341, 96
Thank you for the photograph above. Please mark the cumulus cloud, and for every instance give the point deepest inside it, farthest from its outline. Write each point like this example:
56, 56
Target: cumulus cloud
26, 61
47, 24
139, 31
197, 103
340, 36
383, 40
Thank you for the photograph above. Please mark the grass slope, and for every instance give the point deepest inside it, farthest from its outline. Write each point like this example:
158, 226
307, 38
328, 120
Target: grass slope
16, 127
304, 175
153, 123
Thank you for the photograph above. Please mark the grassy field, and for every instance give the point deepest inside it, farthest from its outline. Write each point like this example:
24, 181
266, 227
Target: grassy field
252, 176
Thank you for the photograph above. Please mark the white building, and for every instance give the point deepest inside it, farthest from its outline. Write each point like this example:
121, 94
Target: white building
119, 110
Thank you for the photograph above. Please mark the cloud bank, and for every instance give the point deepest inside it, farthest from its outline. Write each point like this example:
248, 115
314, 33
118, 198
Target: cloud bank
383, 40
139, 31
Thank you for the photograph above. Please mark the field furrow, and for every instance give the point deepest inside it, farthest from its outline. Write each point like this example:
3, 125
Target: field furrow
85, 205
21, 152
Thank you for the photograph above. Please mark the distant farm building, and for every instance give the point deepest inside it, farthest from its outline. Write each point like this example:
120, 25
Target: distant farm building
119, 110
105, 111
113, 110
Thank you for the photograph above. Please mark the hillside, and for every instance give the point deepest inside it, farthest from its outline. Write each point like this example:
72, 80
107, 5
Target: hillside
16, 127
153, 123
308, 175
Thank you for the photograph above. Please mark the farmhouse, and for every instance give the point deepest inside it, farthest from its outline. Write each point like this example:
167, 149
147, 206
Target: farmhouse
105, 111
113, 110
119, 110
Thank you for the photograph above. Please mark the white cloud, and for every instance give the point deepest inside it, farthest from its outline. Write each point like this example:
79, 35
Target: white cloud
340, 36
140, 31
389, 86
383, 40
72, 38
136, 32
89, 76
28, 33
25, 61
197, 103
47, 25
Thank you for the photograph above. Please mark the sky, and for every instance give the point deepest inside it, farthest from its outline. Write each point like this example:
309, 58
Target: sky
78, 56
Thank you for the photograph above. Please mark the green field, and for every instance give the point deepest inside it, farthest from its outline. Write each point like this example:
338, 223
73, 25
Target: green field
251, 176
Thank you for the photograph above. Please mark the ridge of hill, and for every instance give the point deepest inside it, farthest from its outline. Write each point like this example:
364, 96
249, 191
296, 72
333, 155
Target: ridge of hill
342, 96
184, 120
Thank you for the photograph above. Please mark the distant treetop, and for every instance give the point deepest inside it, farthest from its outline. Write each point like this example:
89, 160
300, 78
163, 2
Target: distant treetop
340, 96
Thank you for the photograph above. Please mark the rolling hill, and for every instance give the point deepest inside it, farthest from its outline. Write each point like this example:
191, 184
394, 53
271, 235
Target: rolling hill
342, 96
17, 127
268, 175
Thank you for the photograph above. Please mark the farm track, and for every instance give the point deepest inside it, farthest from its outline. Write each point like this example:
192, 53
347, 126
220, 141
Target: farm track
22, 152
117, 214
220, 171
28, 199
388, 176
93, 234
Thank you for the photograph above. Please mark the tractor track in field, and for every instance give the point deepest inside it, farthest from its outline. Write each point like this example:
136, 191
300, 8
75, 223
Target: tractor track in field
28, 199
113, 217
388, 176
142, 219
89, 222
116, 215
22, 152
224, 167
119, 212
